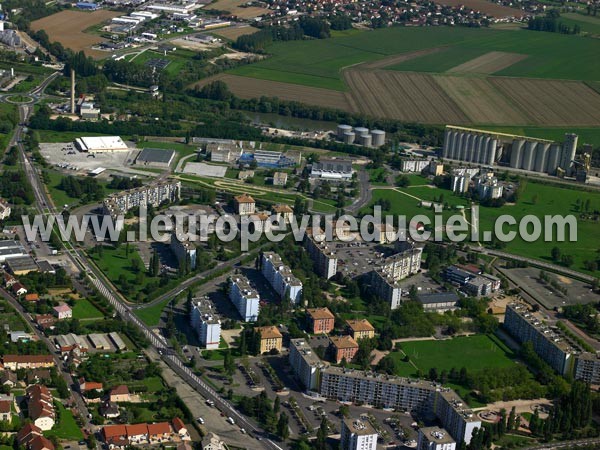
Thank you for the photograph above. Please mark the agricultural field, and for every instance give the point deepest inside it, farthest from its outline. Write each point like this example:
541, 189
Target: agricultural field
67, 27
588, 24
404, 96
238, 8
490, 62
485, 6
233, 33
474, 353
251, 87
535, 67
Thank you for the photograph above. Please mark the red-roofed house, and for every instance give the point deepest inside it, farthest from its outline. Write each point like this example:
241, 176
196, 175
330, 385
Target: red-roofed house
45, 320
6, 410
41, 407
85, 386
32, 297
14, 362
119, 394
159, 432
41, 443
115, 436
27, 433
181, 429
18, 289
137, 434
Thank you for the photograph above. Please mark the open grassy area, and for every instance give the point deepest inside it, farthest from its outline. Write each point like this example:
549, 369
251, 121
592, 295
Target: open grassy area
475, 353
588, 24
83, 309
59, 196
537, 199
318, 62
67, 427
151, 315
177, 59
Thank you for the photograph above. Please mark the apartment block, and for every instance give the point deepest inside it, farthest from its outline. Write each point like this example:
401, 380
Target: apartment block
379, 390
245, 298
306, 364
244, 205
183, 250
587, 368
414, 165
320, 320
406, 262
342, 348
435, 438
549, 344
358, 435
151, 194
270, 338
454, 416
322, 254
206, 323
360, 329
386, 288
281, 278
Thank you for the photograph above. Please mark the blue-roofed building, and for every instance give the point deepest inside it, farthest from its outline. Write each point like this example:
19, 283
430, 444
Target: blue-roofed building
89, 6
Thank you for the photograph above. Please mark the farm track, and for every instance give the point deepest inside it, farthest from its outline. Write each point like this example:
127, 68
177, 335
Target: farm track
489, 63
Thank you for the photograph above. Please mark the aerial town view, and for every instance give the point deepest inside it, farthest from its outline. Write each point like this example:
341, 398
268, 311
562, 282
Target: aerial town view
282, 224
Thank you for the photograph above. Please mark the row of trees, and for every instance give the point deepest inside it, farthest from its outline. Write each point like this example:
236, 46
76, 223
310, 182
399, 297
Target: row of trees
87, 188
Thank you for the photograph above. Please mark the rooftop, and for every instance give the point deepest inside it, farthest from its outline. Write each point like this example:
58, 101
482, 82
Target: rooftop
343, 342
320, 313
155, 155
270, 332
244, 198
360, 325
359, 427
437, 435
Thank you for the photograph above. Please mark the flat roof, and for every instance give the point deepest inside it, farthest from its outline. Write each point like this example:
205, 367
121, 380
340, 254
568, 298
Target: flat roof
99, 143
22, 263
359, 427
155, 155
438, 297
437, 435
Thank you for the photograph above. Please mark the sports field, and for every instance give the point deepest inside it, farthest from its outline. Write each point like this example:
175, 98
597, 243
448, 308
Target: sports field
474, 353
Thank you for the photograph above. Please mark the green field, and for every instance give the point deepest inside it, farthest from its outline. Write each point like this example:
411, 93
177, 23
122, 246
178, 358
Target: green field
475, 353
318, 62
178, 59
537, 199
67, 427
151, 315
83, 309
588, 24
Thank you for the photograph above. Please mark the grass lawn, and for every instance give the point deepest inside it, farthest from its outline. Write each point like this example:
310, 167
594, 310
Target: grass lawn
475, 353
59, 196
154, 384
151, 315
538, 200
83, 309
67, 427
319, 62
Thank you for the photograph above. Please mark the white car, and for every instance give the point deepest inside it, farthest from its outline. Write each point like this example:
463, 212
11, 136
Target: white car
230, 420
200, 420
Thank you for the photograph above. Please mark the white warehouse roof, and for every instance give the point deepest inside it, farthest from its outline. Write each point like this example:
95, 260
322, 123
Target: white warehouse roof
101, 144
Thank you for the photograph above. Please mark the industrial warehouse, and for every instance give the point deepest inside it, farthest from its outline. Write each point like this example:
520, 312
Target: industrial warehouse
517, 152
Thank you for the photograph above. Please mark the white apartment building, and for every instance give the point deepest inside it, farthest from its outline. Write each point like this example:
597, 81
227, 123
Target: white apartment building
386, 288
322, 255
306, 364
281, 277
245, 298
183, 250
404, 263
455, 416
152, 194
435, 438
358, 435
414, 165
206, 323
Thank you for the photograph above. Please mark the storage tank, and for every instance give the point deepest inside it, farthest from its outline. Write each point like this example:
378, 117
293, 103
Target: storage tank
483, 156
359, 131
515, 155
541, 157
341, 129
365, 140
553, 158
481, 150
349, 137
528, 155
378, 138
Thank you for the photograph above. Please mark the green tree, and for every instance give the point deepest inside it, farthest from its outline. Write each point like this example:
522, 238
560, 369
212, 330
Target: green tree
283, 430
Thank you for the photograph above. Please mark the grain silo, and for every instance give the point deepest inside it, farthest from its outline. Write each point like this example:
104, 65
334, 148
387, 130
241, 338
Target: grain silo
492, 145
553, 158
448, 142
349, 137
471, 150
365, 140
483, 154
460, 137
341, 129
541, 157
516, 153
359, 131
378, 138
528, 155
568, 151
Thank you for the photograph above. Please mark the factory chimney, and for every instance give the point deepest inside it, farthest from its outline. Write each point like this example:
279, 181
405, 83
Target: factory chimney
72, 91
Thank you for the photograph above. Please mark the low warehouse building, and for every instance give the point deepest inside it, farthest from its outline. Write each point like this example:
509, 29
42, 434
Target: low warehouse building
155, 157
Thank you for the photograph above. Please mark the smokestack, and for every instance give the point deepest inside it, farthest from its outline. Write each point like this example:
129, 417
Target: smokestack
72, 91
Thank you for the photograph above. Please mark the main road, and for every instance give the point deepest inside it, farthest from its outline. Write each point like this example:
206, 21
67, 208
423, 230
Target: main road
79, 260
